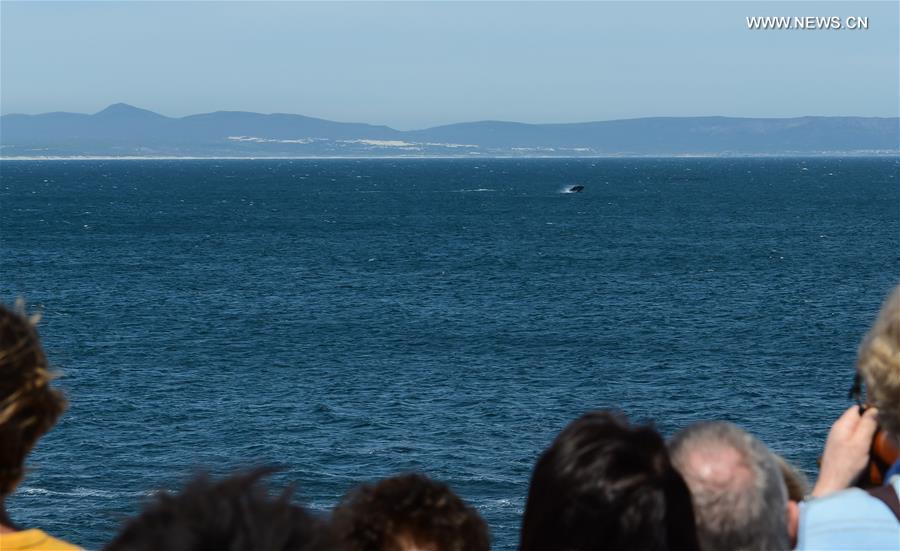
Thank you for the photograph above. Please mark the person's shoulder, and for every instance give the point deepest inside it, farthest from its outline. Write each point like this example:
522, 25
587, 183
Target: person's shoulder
34, 540
847, 520
850, 504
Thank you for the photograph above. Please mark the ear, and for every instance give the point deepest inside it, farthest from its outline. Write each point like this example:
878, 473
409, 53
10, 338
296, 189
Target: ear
793, 521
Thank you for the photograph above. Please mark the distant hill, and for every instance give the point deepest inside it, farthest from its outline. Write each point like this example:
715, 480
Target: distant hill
124, 130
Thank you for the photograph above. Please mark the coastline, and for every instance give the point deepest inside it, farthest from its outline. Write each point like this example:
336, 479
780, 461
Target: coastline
786, 155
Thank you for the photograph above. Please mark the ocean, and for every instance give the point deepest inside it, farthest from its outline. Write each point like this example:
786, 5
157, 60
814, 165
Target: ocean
350, 319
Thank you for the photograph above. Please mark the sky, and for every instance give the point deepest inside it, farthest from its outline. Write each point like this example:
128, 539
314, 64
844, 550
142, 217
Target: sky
414, 65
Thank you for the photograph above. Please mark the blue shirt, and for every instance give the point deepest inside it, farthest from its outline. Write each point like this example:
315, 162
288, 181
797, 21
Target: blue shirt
894, 470
851, 519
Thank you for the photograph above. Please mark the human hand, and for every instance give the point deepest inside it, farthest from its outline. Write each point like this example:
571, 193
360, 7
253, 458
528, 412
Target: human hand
846, 450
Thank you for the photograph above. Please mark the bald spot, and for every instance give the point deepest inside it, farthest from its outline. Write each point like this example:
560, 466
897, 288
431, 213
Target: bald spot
717, 468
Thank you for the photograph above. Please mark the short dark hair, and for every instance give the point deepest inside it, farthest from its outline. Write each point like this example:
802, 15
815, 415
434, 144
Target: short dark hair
408, 508
603, 484
233, 514
29, 407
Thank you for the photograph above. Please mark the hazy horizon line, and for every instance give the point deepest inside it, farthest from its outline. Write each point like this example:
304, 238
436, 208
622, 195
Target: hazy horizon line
825, 155
474, 121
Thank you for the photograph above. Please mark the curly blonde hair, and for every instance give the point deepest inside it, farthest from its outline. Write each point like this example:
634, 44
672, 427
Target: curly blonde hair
879, 364
28, 406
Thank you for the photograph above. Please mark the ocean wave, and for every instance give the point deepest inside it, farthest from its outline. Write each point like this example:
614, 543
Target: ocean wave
501, 504
83, 492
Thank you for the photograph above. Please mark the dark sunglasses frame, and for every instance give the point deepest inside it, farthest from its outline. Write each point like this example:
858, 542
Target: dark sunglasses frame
856, 393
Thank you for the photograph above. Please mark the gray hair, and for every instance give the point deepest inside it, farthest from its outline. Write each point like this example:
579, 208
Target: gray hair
744, 510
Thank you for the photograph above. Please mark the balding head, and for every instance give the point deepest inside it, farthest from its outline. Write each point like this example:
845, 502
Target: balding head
738, 492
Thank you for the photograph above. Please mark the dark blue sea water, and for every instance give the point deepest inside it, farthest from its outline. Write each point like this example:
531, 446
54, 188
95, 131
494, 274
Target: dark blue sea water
352, 319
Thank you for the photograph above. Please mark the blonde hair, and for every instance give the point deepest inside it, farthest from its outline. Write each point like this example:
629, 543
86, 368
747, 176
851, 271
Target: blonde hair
879, 364
28, 406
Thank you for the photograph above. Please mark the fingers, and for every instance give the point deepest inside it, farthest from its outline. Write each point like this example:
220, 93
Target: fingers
851, 422
847, 422
867, 425
846, 450
851, 414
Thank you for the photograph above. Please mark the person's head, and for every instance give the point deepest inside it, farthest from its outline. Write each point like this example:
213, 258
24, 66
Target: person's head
28, 406
408, 512
604, 484
233, 514
794, 480
878, 362
740, 498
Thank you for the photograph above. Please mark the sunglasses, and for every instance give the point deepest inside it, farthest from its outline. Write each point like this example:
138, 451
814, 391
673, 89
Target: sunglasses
857, 393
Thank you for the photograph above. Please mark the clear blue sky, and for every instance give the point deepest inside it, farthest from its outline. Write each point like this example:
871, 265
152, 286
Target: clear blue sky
413, 65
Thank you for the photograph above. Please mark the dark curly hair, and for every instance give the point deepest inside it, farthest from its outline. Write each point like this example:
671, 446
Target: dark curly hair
233, 514
408, 509
28, 406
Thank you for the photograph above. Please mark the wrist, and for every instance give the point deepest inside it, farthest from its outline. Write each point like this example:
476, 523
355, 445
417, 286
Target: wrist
827, 486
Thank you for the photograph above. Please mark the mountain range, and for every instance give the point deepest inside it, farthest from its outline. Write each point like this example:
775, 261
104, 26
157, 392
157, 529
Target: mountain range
127, 131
